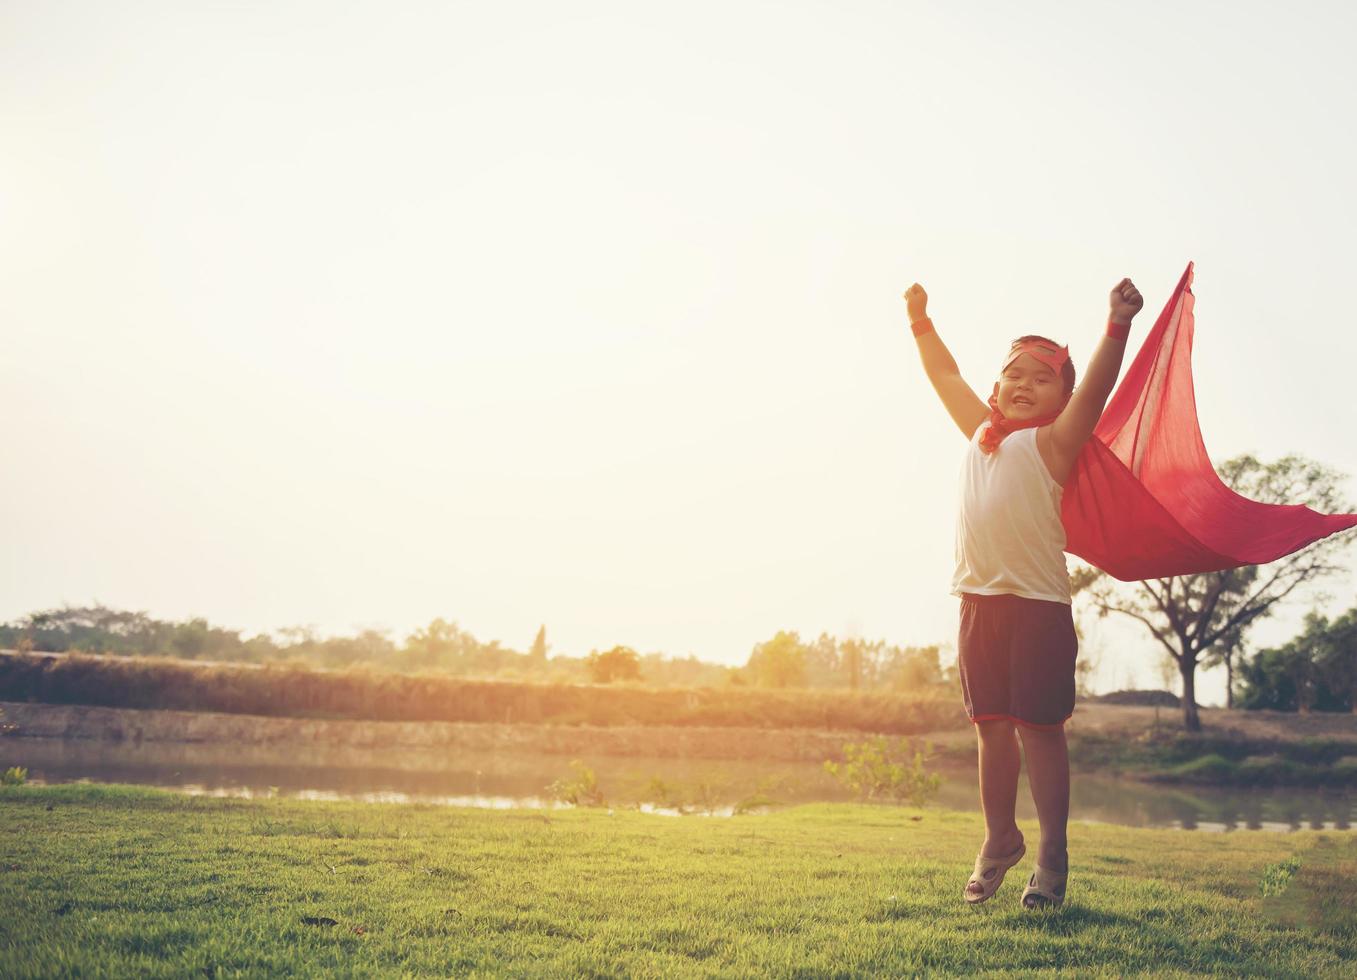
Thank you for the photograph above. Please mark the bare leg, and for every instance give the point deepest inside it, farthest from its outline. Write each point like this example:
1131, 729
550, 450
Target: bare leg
1000, 761
1048, 772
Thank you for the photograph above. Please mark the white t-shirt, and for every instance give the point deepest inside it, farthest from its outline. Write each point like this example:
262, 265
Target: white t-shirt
1009, 536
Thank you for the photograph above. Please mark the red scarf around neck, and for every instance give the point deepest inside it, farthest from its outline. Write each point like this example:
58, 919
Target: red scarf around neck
1001, 425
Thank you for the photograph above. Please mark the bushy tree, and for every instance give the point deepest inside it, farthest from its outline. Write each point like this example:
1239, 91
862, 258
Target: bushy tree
538, 652
444, 646
99, 629
689, 671
618, 664
779, 662
910, 668
1314, 671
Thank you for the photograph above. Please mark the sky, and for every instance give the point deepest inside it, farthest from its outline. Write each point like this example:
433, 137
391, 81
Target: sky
353, 315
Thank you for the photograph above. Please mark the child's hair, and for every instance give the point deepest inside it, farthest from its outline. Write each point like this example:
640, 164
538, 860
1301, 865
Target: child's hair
1066, 369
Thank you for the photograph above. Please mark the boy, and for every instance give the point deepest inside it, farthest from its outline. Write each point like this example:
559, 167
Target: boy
1017, 647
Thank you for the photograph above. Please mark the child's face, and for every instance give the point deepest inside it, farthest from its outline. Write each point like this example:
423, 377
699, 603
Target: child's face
1029, 389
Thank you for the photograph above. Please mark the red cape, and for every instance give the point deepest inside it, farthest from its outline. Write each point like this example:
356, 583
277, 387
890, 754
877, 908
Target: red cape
1144, 500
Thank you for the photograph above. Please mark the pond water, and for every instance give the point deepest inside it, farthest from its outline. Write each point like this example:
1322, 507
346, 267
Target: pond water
664, 785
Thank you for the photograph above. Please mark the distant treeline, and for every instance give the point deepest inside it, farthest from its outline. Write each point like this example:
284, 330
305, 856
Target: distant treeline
785, 661
1316, 670
364, 693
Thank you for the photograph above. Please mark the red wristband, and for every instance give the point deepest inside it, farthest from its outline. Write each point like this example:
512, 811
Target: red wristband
921, 326
1118, 330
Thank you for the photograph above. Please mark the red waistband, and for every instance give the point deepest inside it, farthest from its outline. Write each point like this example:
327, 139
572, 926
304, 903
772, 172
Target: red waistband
1026, 724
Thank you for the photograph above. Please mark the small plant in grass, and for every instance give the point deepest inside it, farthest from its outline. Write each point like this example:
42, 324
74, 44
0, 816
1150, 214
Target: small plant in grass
709, 791
1276, 877
762, 798
662, 794
754, 802
580, 789
14, 775
880, 768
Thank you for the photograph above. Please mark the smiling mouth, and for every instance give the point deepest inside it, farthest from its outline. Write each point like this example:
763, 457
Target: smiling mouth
1022, 401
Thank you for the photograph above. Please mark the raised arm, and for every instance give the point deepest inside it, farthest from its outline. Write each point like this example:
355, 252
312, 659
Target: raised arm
961, 402
1080, 416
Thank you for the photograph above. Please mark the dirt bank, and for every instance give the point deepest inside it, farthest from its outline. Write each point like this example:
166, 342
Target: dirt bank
1099, 727
1285, 725
1135, 723
116, 724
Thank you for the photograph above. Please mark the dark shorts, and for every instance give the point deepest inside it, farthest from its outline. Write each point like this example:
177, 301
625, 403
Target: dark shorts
1016, 659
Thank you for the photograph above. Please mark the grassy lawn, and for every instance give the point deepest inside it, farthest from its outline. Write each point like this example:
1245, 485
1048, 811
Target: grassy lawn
121, 881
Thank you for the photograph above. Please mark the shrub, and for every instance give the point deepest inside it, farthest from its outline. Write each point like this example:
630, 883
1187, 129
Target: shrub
878, 769
1345, 770
1148, 698
1276, 877
617, 664
579, 790
1275, 769
705, 792
1210, 768
14, 776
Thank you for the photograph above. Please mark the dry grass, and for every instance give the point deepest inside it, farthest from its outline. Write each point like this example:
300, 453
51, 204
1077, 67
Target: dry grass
291, 691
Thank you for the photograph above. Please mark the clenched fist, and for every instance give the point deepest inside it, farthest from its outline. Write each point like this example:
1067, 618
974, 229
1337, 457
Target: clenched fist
1126, 302
916, 301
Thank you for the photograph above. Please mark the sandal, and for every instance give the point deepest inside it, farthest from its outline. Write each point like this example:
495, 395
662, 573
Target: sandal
1044, 888
989, 872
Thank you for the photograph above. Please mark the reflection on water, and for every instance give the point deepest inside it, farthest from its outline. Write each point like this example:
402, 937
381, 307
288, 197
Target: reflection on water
504, 780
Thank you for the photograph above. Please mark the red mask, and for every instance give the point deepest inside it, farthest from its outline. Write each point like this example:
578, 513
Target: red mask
1053, 357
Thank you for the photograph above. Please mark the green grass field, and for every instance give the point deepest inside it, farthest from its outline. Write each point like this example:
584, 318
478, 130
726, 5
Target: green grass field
116, 881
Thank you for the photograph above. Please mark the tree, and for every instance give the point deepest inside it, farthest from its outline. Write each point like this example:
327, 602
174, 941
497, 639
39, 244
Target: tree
1267, 681
538, 653
618, 664
823, 663
92, 629
911, 668
1086, 664
99, 629
1228, 649
1314, 671
779, 662
1193, 615
1338, 659
862, 662
852, 662
440, 645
